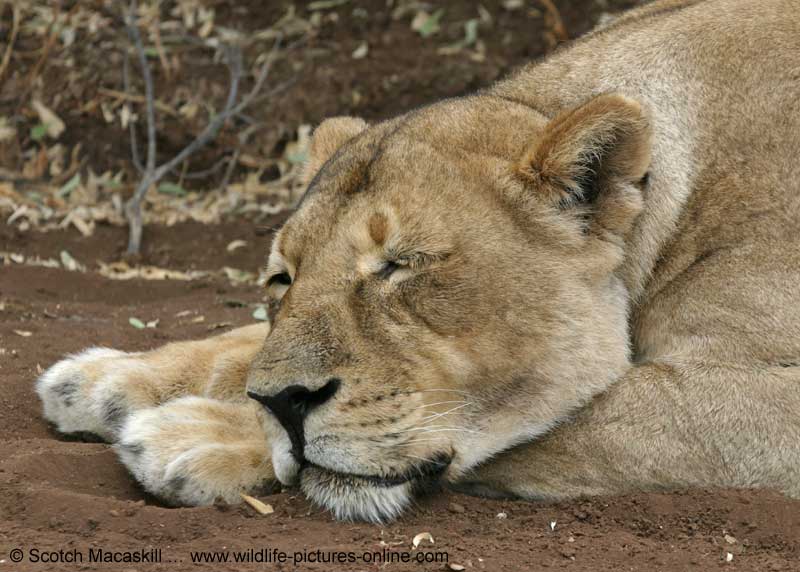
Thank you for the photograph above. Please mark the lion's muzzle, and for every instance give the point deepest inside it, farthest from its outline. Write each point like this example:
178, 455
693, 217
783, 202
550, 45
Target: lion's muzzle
291, 406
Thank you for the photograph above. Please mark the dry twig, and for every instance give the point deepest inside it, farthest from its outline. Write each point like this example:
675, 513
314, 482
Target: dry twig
134, 98
16, 17
153, 173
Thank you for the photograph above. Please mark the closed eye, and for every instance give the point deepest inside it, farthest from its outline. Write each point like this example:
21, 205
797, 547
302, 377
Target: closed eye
413, 261
387, 269
282, 279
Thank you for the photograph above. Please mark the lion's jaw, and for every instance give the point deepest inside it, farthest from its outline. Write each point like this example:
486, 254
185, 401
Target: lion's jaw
448, 302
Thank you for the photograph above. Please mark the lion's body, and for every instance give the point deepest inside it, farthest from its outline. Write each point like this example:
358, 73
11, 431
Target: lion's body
715, 262
647, 330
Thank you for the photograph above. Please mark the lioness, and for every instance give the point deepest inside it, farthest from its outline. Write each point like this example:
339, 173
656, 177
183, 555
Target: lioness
584, 280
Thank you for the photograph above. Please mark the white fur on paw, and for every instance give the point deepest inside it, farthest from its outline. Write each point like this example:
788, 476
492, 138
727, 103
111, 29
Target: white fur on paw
193, 450
67, 401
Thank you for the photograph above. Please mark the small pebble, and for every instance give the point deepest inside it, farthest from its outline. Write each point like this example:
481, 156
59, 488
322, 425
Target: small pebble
455, 507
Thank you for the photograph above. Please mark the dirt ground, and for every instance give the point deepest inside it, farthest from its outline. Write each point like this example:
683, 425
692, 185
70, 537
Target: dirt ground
61, 494
56, 493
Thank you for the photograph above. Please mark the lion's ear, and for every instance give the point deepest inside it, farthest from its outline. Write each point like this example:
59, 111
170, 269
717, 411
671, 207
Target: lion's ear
595, 155
326, 140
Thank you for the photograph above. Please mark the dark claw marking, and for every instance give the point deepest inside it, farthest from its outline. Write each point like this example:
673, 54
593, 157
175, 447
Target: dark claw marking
133, 449
114, 411
82, 436
176, 484
270, 487
66, 391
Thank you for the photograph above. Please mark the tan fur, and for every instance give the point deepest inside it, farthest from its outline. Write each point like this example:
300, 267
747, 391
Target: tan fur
582, 280
328, 137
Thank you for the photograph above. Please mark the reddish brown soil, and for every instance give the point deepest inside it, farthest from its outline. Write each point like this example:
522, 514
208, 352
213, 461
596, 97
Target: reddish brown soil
57, 493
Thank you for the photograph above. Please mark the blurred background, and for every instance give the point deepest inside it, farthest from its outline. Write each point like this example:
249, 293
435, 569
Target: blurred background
73, 114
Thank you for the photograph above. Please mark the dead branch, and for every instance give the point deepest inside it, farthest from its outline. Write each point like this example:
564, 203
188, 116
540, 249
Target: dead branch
226, 180
126, 82
135, 98
16, 17
153, 173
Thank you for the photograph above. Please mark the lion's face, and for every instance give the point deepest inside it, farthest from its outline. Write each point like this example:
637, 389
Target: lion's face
445, 290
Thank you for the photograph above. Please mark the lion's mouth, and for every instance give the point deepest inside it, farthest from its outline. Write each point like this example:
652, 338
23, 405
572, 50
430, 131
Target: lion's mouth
422, 472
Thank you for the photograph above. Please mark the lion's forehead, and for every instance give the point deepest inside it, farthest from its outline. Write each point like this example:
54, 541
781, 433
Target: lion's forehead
415, 169
392, 204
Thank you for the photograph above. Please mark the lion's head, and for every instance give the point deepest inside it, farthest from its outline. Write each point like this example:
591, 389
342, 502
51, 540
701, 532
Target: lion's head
445, 290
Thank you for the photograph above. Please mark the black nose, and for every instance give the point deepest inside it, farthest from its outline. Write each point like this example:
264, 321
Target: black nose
292, 405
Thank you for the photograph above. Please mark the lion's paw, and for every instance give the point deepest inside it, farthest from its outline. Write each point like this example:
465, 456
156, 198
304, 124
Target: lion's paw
193, 451
82, 393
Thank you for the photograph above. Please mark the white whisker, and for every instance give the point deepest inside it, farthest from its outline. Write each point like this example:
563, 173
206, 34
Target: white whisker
426, 440
439, 403
445, 390
427, 419
423, 459
438, 428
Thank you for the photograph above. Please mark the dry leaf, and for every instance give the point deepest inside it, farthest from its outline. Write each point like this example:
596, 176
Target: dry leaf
86, 229
420, 537
237, 276
126, 116
52, 122
361, 51
236, 244
189, 110
122, 271
7, 132
69, 263
257, 505
512, 5
425, 24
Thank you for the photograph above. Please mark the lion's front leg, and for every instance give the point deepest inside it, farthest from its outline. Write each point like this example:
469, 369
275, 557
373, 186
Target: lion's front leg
663, 425
96, 390
195, 450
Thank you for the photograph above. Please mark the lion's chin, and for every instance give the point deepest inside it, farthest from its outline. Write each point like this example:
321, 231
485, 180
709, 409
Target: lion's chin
352, 497
373, 498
